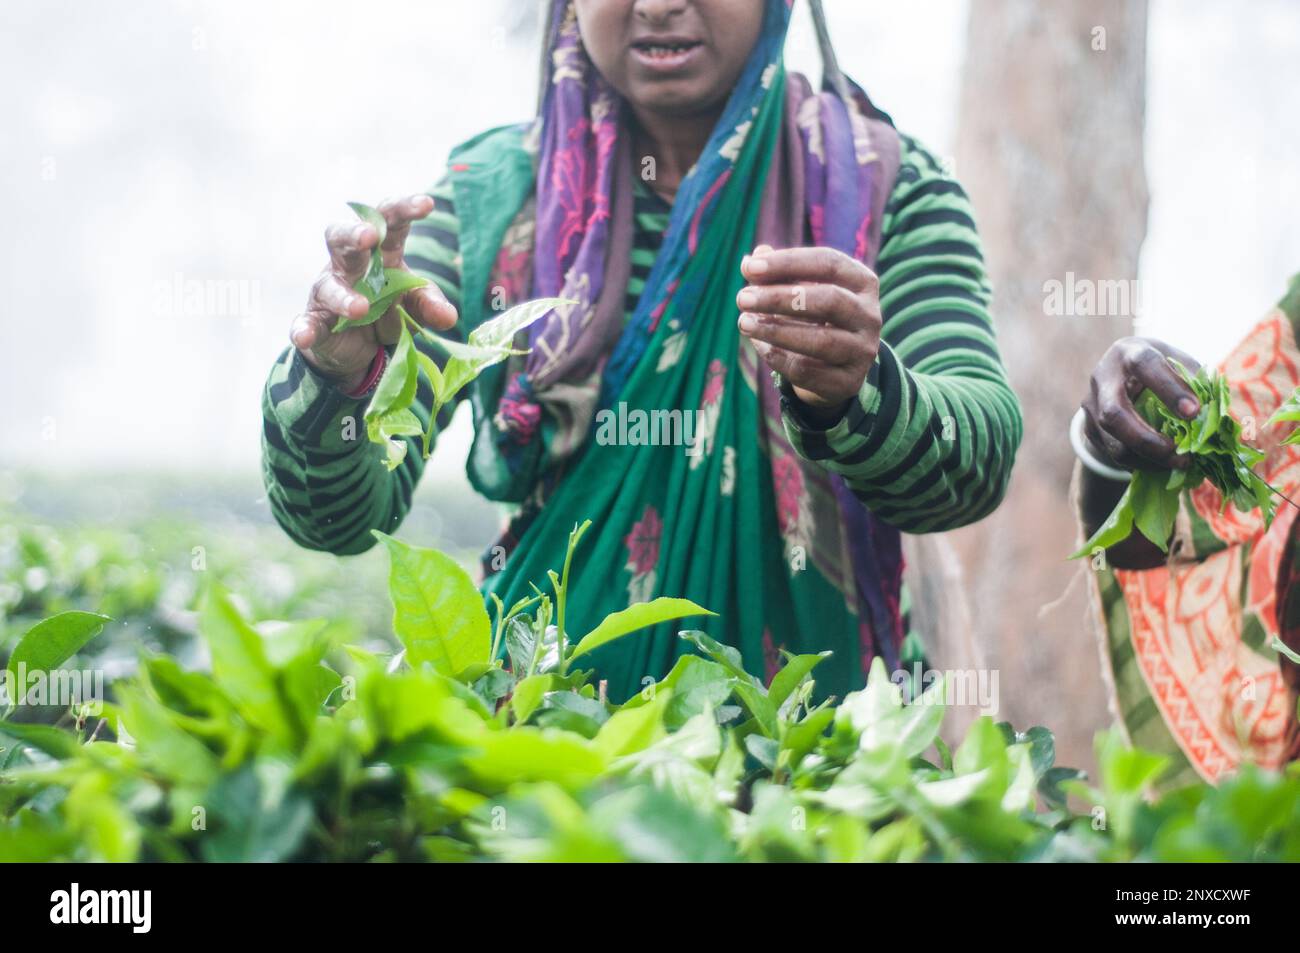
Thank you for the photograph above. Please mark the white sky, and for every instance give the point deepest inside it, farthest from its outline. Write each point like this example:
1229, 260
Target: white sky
150, 141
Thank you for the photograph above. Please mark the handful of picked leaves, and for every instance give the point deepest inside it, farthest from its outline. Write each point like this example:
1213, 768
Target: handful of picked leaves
389, 417
1213, 440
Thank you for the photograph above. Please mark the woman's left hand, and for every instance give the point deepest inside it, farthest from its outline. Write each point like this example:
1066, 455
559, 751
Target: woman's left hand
813, 315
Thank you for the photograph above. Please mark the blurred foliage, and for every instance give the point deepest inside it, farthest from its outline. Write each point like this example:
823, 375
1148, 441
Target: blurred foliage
148, 579
300, 744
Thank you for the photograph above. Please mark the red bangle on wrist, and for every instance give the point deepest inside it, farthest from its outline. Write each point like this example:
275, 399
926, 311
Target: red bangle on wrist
372, 376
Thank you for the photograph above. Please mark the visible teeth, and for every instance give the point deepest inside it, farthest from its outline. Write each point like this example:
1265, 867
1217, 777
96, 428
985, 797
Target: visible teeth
664, 50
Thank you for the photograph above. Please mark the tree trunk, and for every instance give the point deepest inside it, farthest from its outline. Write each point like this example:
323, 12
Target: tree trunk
1049, 146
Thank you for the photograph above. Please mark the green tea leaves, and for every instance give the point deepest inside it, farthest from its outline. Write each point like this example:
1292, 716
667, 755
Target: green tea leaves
239, 658
1288, 413
389, 415
1155, 507
394, 283
1117, 528
497, 333
401, 379
49, 644
1281, 648
386, 428
382, 287
489, 343
639, 616
437, 611
297, 748
372, 282
1213, 440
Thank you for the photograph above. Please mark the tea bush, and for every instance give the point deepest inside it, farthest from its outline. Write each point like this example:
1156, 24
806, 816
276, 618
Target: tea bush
483, 738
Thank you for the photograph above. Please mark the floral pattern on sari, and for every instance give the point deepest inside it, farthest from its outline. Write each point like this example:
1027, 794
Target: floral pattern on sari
706, 419
793, 507
642, 544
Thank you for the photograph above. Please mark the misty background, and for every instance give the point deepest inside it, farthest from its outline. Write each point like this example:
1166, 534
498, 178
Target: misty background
162, 146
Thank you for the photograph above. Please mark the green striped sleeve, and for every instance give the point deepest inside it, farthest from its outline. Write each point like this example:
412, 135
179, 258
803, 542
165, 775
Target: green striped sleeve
929, 443
325, 481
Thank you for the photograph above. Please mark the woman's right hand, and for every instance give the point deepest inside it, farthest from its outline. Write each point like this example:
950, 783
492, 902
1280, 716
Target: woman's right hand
346, 357
1113, 426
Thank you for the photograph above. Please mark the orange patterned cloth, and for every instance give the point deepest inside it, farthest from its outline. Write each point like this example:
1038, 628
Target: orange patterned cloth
1186, 646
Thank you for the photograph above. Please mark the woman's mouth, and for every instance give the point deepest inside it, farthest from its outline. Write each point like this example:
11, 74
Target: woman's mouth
666, 55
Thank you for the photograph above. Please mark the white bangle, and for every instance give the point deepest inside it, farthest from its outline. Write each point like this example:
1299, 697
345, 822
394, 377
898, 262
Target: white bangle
1084, 453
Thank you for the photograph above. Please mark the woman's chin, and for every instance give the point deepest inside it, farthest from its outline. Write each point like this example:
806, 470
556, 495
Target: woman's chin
674, 101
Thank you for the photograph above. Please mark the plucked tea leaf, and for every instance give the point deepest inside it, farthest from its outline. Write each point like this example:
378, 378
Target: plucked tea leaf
1155, 508
1213, 440
372, 282
398, 385
395, 282
384, 428
1116, 529
1288, 413
490, 342
498, 333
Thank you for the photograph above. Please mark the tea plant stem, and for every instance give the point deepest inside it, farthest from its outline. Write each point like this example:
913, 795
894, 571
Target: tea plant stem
543, 620
412, 325
501, 626
426, 438
559, 621
562, 590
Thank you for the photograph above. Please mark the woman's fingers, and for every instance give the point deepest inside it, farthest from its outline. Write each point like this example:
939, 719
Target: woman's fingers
340, 356
819, 265
308, 329
333, 295
400, 214
1112, 421
430, 307
1138, 441
815, 302
808, 373
1148, 369
831, 345
349, 245
813, 314
1182, 357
